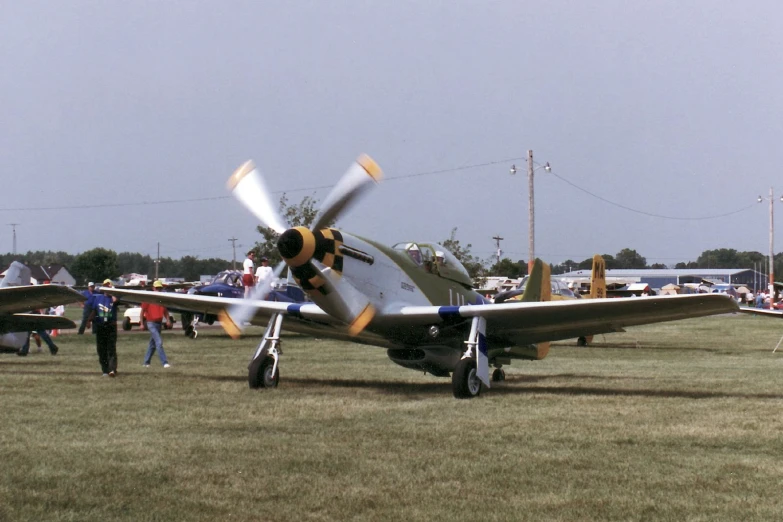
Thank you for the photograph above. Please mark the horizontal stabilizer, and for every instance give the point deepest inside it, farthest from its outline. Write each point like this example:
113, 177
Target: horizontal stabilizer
33, 322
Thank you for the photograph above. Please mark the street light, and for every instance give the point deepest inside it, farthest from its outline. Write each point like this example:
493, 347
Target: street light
531, 207
771, 199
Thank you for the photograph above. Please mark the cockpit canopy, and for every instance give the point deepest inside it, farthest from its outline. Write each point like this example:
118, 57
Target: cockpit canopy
434, 258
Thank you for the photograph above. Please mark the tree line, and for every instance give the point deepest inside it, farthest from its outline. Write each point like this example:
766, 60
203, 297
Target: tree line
100, 263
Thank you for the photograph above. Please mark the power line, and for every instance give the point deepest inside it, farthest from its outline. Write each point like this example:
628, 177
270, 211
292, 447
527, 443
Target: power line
645, 213
218, 198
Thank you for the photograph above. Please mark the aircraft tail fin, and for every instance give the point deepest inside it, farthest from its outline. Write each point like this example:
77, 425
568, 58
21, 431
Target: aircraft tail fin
598, 278
539, 288
16, 275
539, 285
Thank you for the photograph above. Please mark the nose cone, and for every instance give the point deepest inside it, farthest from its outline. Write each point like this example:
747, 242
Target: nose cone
297, 246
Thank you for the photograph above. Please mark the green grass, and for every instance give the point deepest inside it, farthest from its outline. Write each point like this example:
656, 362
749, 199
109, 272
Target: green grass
680, 421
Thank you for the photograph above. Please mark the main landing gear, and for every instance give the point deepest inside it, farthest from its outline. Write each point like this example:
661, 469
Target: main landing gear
472, 370
264, 370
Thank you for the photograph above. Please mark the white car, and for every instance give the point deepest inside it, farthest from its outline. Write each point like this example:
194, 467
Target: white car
132, 317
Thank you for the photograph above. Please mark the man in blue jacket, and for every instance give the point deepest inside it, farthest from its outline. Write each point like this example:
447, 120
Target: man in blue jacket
103, 316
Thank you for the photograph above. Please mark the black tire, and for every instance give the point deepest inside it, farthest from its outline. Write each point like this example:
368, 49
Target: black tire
464, 382
582, 341
259, 373
498, 375
126, 324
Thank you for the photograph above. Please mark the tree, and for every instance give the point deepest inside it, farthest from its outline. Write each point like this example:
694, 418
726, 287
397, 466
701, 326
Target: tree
628, 258
295, 215
95, 265
508, 268
658, 266
473, 265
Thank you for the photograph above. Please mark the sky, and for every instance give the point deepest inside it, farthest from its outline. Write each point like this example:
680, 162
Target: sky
120, 121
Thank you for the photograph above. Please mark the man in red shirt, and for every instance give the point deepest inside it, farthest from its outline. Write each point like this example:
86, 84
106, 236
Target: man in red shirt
152, 317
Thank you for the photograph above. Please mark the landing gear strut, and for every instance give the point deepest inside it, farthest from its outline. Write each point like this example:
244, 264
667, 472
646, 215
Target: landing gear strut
189, 324
263, 370
472, 370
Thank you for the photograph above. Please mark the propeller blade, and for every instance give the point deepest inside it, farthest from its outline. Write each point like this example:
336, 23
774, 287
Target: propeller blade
360, 177
341, 299
234, 318
247, 185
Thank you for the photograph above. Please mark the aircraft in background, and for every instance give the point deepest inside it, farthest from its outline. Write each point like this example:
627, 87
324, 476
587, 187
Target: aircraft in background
420, 307
17, 296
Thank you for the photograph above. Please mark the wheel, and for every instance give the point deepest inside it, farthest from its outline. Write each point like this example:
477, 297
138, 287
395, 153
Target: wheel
582, 341
126, 324
260, 373
464, 382
498, 375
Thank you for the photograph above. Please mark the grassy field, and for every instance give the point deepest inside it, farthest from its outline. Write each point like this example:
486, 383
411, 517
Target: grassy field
680, 421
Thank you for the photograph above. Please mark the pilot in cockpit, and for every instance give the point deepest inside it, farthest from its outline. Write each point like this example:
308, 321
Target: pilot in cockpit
414, 252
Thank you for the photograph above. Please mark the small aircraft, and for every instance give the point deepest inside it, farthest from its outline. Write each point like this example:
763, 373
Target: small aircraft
228, 283
17, 297
419, 306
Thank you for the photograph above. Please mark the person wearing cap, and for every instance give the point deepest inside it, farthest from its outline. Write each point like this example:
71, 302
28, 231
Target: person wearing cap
263, 272
248, 276
152, 317
85, 310
103, 317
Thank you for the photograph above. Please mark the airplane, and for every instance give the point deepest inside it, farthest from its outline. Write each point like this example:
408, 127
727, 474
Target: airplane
18, 297
421, 308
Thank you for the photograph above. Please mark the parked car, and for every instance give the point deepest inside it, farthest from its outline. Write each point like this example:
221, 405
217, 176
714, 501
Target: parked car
132, 317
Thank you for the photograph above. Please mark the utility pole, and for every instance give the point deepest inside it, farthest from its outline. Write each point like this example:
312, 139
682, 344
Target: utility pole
157, 262
13, 226
234, 247
531, 217
498, 239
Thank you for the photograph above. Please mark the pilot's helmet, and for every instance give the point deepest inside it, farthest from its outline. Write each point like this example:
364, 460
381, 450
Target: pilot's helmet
414, 252
439, 256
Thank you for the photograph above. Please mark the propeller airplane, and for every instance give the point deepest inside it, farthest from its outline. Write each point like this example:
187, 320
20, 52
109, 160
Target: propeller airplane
18, 297
414, 299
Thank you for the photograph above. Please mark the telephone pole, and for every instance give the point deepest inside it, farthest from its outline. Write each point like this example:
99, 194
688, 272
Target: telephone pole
498, 239
531, 217
234, 247
13, 226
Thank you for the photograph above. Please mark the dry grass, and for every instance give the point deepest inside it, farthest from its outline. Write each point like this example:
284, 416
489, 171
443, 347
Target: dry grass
680, 421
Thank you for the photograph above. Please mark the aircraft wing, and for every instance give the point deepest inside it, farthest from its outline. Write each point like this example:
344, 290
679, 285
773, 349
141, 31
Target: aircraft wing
762, 311
533, 322
15, 299
33, 322
204, 304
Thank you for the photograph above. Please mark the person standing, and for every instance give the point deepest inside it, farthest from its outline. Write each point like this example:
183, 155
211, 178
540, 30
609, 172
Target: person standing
152, 317
85, 309
103, 315
248, 276
264, 273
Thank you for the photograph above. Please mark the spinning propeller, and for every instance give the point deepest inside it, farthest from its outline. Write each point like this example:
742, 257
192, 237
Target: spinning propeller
310, 253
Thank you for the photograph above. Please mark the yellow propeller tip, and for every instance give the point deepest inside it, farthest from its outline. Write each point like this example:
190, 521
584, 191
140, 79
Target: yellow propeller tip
361, 321
372, 168
244, 169
229, 325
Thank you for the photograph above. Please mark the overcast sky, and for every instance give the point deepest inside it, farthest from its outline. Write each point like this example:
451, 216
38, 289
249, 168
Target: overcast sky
670, 108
